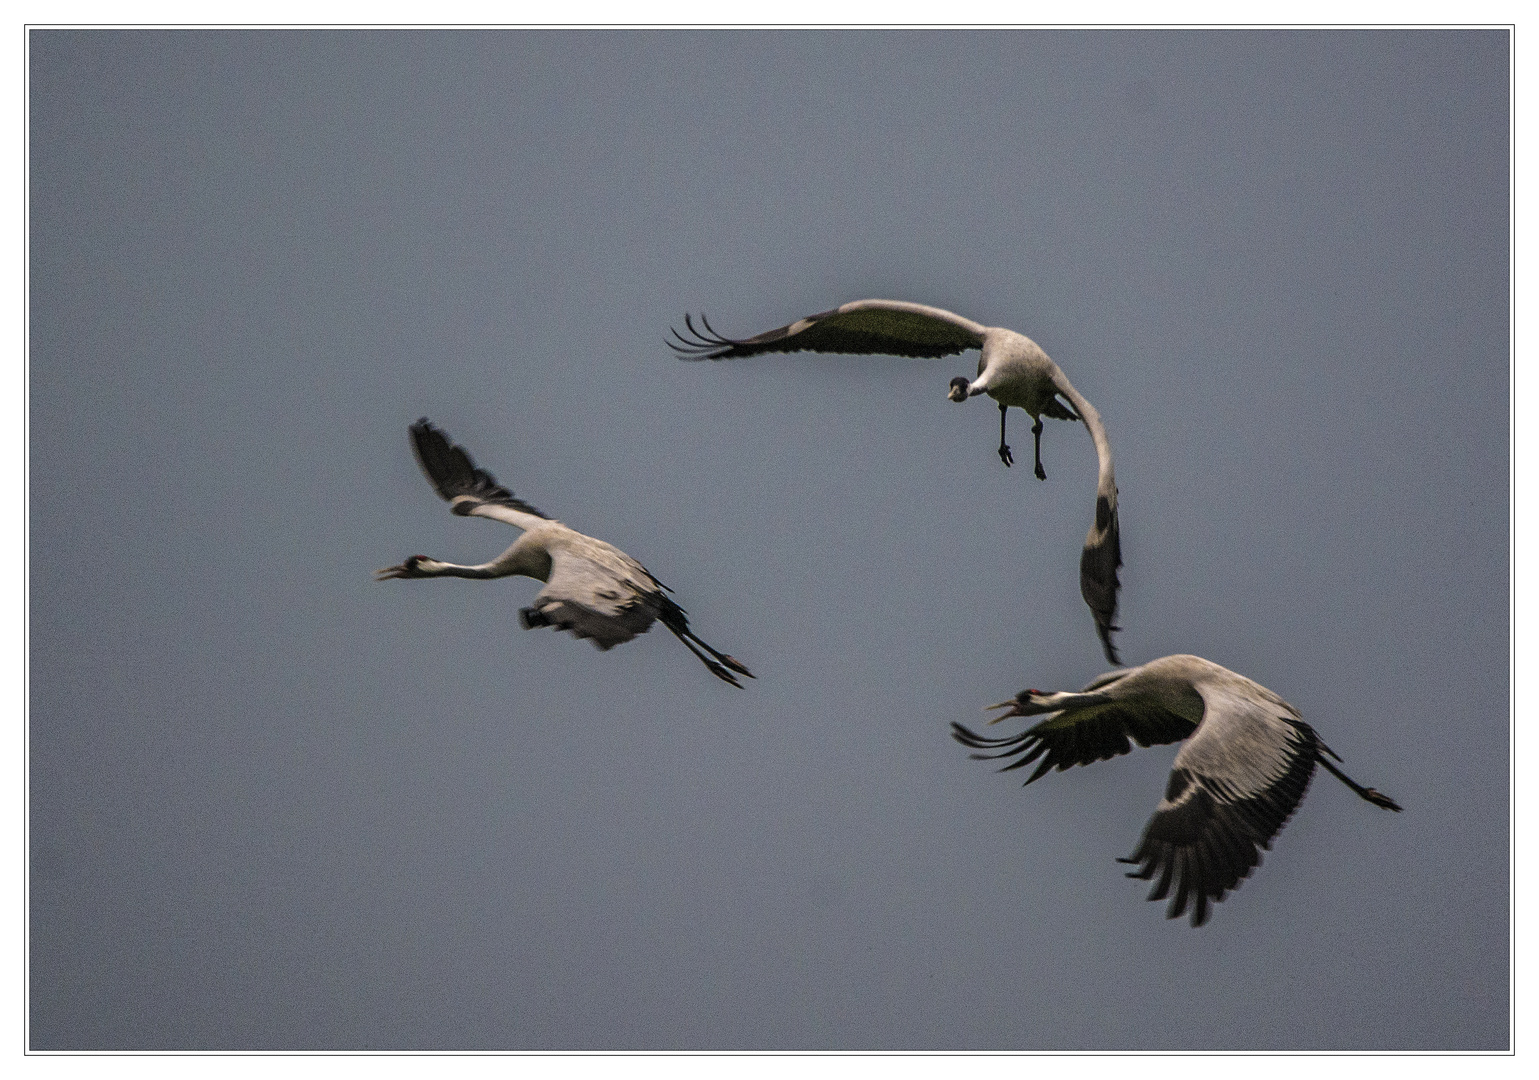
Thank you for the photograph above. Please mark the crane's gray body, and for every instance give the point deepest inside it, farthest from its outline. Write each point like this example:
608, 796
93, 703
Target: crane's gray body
1246, 762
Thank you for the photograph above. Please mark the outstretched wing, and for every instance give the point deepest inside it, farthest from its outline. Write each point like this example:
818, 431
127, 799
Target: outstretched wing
469, 489
1101, 556
1080, 734
597, 598
1099, 561
886, 327
1232, 788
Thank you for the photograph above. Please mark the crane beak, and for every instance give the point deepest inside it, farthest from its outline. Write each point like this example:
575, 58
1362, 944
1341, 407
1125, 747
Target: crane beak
407, 569
1014, 707
958, 391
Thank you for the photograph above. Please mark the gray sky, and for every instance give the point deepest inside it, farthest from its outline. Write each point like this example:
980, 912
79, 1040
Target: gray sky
277, 805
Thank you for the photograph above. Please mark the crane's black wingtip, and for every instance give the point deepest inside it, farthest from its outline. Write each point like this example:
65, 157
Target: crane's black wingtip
701, 344
971, 739
687, 350
428, 438
453, 472
1104, 631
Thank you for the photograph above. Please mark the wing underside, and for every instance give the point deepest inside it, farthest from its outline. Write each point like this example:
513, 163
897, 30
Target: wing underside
610, 604
593, 601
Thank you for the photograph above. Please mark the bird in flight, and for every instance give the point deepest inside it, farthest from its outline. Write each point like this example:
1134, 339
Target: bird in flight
1246, 763
593, 589
1012, 369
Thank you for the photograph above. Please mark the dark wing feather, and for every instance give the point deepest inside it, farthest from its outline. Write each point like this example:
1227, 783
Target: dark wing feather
1098, 582
1079, 736
452, 473
1058, 410
888, 331
1205, 836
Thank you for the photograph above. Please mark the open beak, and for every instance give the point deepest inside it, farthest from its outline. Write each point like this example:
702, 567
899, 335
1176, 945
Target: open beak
1012, 705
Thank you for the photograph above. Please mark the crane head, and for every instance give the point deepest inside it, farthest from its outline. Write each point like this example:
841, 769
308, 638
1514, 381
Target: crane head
411, 568
1026, 703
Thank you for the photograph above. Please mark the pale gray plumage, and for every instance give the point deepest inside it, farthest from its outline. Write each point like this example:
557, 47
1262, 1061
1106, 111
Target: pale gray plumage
1246, 763
1012, 369
592, 589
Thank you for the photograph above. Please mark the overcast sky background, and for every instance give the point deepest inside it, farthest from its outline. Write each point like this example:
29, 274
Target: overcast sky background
277, 805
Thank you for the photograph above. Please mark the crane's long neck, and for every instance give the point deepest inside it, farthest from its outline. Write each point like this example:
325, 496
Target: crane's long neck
1150, 685
438, 568
1037, 702
525, 558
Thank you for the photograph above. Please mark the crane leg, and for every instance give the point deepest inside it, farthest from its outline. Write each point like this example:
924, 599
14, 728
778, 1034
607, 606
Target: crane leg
1004, 449
1373, 795
1036, 431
